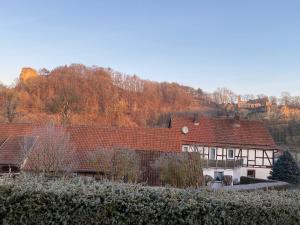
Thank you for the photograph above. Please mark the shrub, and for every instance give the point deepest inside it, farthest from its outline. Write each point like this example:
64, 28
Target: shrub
48, 151
117, 165
126, 166
208, 179
36, 201
286, 169
180, 170
252, 180
227, 180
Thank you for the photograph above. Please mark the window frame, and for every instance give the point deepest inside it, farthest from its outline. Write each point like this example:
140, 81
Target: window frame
230, 149
254, 173
209, 156
185, 146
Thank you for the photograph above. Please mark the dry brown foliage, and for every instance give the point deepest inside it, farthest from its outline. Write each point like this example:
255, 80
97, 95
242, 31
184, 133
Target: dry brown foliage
78, 94
118, 164
49, 152
180, 170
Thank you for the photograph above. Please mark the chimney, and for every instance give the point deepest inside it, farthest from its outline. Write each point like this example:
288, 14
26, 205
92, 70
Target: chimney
170, 122
236, 119
196, 119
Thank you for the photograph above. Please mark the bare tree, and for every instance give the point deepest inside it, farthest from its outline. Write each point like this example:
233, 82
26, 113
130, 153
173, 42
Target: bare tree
126, 166
127, 82
10, 104
52, 152
65, 103
285, 98
248, 97
118, 164
296, 101
273, 100
26, 144
224, 96
43, 72
180, 170
261, 96
101, 161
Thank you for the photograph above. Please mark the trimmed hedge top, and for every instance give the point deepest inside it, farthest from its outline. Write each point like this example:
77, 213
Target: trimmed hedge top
37, 201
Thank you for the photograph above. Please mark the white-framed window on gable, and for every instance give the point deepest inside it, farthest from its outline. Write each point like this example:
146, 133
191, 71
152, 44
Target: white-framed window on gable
230, 153
213, 153
185, 148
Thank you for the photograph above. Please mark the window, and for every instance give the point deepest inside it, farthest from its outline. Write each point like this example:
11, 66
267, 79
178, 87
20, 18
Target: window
212, 153
218, 176
251, 173
185, 148
230, 154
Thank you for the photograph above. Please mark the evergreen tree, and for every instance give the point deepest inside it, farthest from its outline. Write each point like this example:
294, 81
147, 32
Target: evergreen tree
286, 169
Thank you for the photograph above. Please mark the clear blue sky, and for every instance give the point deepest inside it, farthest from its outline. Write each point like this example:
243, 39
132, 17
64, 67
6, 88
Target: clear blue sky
248, 46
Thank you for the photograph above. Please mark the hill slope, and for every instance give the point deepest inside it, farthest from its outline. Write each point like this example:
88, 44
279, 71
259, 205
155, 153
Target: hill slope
80, 95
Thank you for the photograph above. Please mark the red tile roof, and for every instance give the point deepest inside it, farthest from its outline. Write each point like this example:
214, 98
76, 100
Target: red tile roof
15, 129
87, 139
224, 132
91, 138
11, 152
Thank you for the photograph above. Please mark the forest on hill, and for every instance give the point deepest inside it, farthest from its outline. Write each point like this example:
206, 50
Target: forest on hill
77, 94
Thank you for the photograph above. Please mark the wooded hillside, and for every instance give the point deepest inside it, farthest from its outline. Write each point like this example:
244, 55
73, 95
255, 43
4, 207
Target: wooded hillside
78, 94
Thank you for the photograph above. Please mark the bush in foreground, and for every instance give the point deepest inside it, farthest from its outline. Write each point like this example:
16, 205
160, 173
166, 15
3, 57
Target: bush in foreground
74, 202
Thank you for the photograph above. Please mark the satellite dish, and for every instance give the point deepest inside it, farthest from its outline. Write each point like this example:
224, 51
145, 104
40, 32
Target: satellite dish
184, 130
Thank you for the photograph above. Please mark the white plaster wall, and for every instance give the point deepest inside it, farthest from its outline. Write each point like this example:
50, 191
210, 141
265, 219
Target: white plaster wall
259, 153
237, 174
211, 171
266, 161
251, 154
261, 173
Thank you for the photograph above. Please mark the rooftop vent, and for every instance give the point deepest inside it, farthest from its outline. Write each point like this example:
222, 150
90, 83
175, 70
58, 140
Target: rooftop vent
184, 130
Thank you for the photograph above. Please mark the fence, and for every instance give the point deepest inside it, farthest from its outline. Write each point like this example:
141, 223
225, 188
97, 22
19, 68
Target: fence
224, 164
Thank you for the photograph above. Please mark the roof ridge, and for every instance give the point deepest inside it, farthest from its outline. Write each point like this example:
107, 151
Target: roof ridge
87, 126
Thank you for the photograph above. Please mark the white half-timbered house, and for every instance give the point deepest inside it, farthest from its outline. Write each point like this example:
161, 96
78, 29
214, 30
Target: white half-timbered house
229, 146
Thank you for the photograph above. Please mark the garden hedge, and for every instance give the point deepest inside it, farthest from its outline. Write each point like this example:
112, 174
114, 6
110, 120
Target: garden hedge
36, 201
251, 180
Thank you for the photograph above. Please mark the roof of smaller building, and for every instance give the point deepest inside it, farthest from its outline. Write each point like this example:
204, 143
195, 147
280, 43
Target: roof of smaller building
87, 140
134, 138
